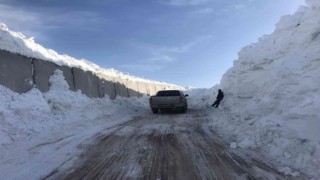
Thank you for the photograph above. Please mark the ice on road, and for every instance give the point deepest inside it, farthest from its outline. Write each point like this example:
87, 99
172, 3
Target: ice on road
166, 146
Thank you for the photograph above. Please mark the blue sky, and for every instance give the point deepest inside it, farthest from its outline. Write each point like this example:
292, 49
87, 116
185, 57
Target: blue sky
185, 42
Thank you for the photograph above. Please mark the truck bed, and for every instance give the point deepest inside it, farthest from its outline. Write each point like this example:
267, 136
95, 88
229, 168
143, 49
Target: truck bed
168, 99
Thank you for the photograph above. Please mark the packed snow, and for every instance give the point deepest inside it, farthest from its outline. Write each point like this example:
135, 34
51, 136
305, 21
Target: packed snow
271, 104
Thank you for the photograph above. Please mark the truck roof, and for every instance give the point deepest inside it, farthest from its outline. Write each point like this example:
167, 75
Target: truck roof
169, 93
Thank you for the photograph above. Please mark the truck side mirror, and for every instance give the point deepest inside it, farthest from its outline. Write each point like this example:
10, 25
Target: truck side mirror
186, 95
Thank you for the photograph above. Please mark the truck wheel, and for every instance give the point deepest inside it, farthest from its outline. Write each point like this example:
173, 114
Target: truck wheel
155, 111
183, 110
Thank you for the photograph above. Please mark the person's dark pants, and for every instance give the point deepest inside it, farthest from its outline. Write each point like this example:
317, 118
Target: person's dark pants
216, 103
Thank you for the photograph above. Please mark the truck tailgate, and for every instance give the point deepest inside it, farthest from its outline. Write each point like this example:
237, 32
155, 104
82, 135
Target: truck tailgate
165, 100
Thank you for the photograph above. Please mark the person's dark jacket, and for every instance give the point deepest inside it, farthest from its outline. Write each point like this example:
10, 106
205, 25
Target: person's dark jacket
220, 95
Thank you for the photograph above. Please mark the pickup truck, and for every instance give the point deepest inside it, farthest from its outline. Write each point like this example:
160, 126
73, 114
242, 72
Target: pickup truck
168, 99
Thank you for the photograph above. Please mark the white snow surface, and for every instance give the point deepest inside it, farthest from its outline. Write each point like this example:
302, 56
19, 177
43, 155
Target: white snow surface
39, 132
272, 93
17, 43
271, 106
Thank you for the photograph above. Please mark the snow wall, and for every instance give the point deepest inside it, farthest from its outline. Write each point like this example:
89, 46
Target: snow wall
273, 91
280, 74
20, 74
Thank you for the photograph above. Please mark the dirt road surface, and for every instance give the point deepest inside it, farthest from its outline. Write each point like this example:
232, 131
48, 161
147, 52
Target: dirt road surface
167, 146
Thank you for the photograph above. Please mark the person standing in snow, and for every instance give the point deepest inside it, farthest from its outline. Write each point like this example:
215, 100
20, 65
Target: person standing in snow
220, 96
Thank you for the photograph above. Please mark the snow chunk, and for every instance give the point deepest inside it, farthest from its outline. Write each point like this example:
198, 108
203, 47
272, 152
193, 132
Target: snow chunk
233, 145
288, 171
247, 143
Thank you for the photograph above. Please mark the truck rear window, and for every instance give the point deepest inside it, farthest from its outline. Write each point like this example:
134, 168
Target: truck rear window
168, 93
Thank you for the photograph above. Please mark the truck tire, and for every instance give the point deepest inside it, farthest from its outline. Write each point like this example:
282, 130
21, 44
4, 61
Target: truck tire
155, 111
183, 110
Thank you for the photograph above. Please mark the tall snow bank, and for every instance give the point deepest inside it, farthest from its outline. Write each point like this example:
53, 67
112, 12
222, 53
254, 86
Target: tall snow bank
23, 116
47, 130
273, 90
17, 43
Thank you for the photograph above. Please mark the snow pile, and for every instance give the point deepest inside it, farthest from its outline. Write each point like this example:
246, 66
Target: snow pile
17, 43
44, 130
198, 98
17, 110
273, 93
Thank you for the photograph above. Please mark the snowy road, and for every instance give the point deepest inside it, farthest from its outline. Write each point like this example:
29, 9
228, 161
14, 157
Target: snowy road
166, 146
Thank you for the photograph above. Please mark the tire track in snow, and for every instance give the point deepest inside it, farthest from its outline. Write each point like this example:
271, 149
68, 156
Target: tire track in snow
167, 146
